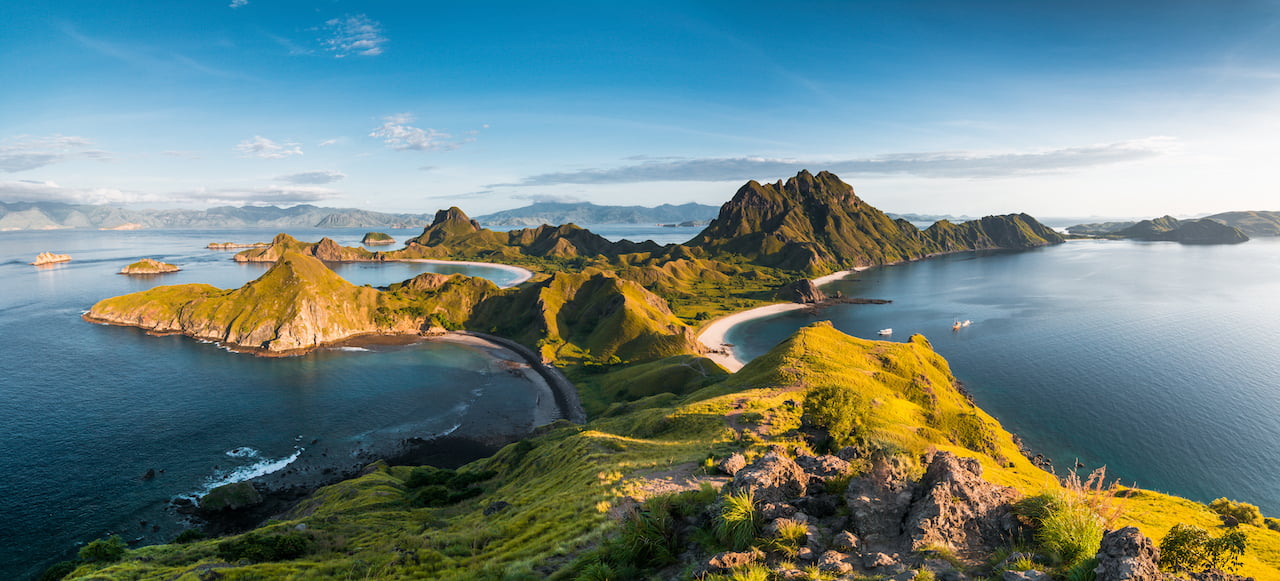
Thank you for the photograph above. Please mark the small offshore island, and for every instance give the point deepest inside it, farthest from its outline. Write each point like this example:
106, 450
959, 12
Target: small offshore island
149, 266
50, 258
827, 457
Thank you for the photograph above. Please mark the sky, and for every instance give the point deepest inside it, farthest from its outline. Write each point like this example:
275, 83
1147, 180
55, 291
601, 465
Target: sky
1054, 108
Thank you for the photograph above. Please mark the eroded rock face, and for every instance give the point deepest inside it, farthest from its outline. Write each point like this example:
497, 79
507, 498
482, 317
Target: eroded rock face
822, 469
806, 292
955, 506
1128, 555
773, 478
732, 464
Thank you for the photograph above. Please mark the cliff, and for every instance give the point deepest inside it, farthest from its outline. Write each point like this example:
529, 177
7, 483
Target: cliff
149, 266
817, 224
326, 249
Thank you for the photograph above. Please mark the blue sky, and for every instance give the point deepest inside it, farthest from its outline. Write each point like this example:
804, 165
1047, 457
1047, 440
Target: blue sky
1054, 108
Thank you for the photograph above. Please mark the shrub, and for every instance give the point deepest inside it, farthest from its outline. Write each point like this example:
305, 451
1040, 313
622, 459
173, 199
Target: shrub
1189, 548
260, 548
1084, 571
189, 536
1272, 523
1242, 512
791, 536
108, 550
648, 535
838, 409
739, 521
1067, 529
59, 571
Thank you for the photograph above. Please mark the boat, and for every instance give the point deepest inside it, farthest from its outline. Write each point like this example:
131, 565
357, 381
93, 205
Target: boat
886, 331
966, 323
956, 326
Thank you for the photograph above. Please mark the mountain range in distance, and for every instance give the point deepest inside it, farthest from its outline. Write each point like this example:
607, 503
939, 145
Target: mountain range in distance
57, 215
1256, 223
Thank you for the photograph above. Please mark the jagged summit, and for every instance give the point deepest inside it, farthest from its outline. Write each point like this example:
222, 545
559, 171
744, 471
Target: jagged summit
816, 223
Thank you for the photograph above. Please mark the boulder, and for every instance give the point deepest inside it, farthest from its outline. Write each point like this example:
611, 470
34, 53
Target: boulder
823, 468
732, 464
876, 560
234, 496
1127, 555
955, 506
1215, 575
834, 562
729, 560
773, 510
845, 541
772, 478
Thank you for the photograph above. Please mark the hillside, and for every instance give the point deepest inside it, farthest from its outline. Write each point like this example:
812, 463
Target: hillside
1252, 223
54, 215
1168, 228
452, 234
326, 249
540, 213
636, 494
816, 224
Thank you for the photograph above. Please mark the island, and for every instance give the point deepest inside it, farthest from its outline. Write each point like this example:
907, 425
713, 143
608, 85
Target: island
236, 246
1167, 229
45, 258
148, 266
827, 457
377, 239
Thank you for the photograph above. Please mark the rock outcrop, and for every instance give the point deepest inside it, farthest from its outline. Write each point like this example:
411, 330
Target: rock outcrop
954, 506
804, 291
50, 258
149, 266
774, 478
1128, 555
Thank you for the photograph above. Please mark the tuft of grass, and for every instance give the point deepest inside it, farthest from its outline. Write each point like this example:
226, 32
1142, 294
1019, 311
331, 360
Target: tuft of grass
739, 520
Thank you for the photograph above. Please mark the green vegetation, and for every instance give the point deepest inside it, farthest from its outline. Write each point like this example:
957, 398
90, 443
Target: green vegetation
108, 550
258, 548
1242, 512
739, 521
1189, 549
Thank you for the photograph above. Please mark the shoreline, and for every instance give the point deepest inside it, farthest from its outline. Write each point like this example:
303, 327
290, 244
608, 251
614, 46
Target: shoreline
522, 274
713, 335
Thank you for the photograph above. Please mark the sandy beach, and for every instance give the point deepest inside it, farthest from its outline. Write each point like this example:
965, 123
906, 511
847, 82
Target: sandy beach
714, 334
523, 273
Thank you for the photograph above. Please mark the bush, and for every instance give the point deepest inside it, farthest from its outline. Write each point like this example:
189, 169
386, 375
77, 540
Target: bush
108, 550
59, 571
1067, 528
442, 487
1272, 523
260, 548
1243, 512
189, 536
838, 409
1189, 548
739, 521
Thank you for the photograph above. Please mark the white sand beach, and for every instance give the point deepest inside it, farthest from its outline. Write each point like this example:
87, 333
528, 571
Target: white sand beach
524, 274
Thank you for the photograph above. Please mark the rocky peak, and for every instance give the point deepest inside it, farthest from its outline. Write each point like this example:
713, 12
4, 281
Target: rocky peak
455, 220
804, 291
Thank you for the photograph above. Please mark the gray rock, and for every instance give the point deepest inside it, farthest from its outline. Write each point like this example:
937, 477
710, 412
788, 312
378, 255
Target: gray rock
835, 562
806, 554
1127, 555
730, 560
845, 541
956, 507
805, 291
773, 510
1031, 575
732, 464
772, 478
823, 468
878, 560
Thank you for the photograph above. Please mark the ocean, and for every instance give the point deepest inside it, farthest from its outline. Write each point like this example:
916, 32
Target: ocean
1159, 360
86, 410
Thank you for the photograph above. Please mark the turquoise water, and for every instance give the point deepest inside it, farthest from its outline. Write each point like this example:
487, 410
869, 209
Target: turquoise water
86, 410
1159, 360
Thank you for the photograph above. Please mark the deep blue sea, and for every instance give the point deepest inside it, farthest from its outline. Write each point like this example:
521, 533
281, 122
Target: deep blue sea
1159, 360
86, 410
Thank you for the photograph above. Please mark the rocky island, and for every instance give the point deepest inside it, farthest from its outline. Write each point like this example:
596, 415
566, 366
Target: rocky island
828, 457
149, 266
1166, 228
50, 258
236, 246
377, 239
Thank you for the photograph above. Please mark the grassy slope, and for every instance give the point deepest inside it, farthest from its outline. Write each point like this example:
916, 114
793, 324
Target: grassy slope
563, 484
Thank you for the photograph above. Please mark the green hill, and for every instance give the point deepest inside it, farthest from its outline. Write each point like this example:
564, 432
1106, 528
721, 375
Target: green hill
1254, 223
452, 234
326, 249
1168, 228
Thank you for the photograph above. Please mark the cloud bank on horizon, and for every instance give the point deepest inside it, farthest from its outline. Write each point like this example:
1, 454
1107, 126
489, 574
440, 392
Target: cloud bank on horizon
402, 107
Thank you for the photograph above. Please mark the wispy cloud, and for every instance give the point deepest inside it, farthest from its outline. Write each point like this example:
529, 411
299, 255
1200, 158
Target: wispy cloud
145, 57
25, 152
256, 195
313, 177
239, 3
398, 134
264, 148
328, 142
549, 198
945, 164
353, 35
48, 191
180, 154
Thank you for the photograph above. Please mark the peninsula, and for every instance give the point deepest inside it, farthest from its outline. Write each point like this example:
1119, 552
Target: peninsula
827, 457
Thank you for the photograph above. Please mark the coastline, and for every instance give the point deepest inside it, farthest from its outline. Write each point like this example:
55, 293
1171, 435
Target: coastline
523, 274
713, 335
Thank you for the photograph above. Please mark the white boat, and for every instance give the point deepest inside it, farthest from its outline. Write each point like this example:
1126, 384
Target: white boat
886, 331
966, 323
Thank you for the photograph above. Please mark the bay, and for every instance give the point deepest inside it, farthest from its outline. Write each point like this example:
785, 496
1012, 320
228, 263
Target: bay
86, 410
1159, 360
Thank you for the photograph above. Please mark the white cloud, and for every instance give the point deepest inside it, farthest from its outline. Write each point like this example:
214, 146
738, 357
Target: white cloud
353, 35
264, 148
257, 195
944, 164
314, 177
328, 142
48, 191
25, 152
239, 3
397, 133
